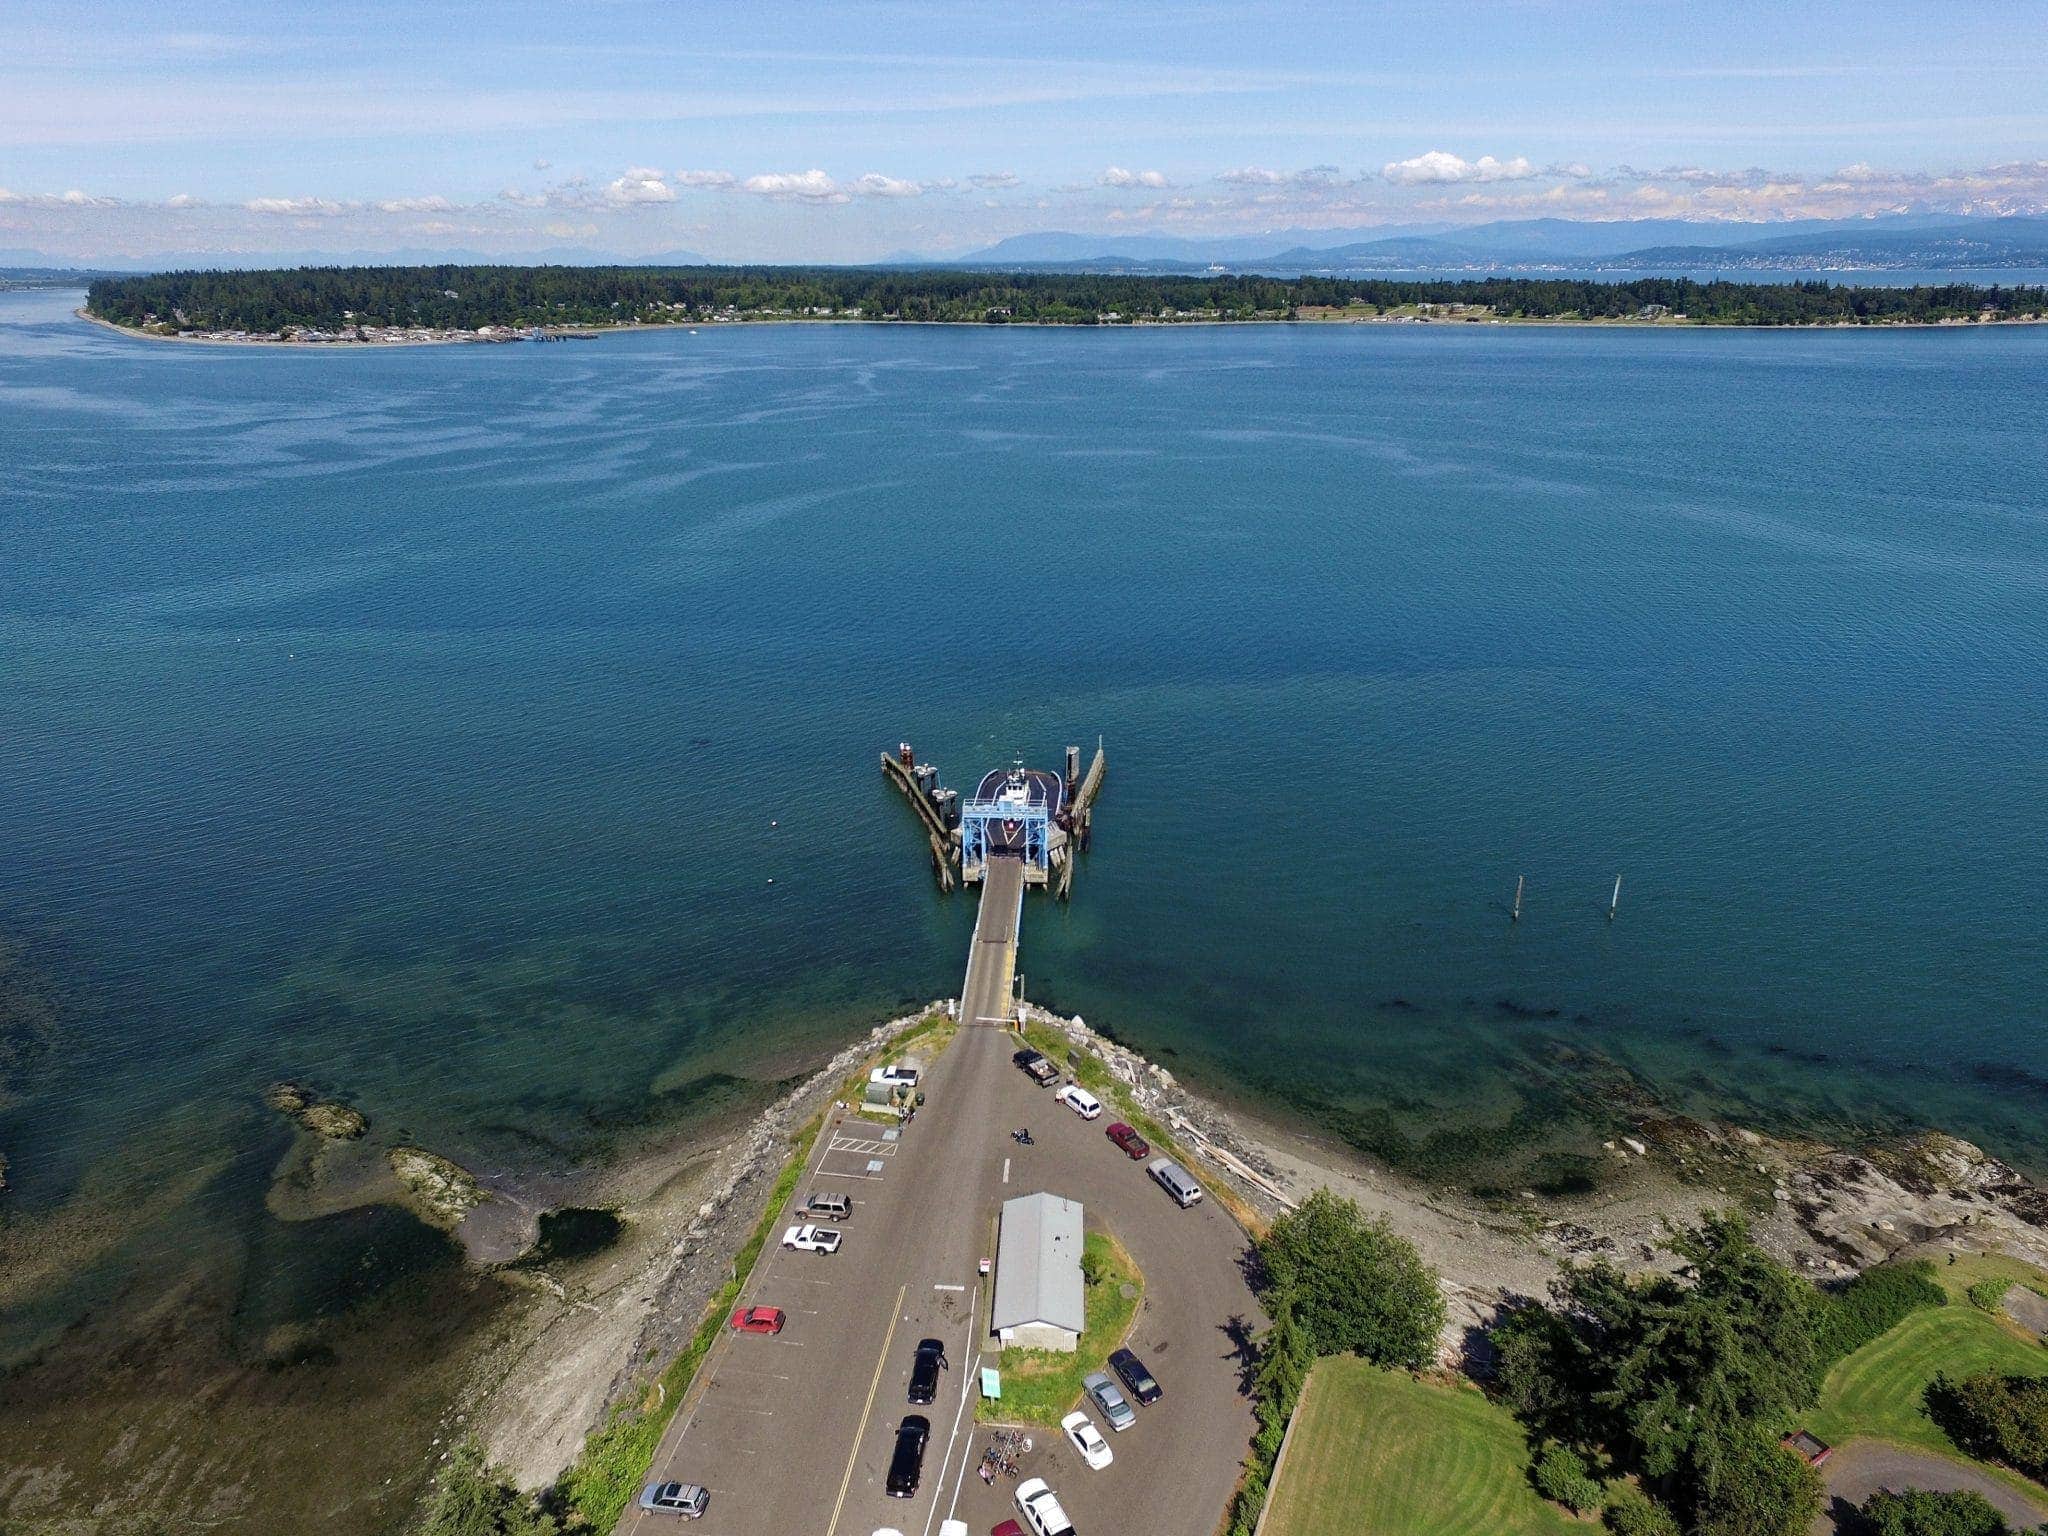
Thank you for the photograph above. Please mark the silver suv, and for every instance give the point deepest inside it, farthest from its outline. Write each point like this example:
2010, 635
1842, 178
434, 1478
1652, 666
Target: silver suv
685, 1499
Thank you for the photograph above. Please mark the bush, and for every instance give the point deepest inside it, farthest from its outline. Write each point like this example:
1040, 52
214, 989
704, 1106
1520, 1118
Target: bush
1995, 1418
1988, 1295
1919, 1513
1560, 1475
1870, 1306
1360, 1288
1631, 1512
471, 1499
1749, 1485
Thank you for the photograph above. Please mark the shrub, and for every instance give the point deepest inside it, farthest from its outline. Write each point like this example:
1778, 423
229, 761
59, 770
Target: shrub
1988, 1294
471, 1499
1870, 1306
1360, 1289
1995, 1418
1560, 1475
1631, 1512
1919, 1513
1749, 1485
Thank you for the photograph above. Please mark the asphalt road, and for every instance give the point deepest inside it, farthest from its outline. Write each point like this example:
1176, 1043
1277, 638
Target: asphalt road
1862, 1467
794, 1433
992, 958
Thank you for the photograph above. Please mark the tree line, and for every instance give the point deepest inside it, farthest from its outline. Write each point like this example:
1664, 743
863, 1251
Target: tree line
467, 297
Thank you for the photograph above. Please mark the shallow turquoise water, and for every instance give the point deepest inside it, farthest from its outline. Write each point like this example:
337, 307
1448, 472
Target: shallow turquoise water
413, 721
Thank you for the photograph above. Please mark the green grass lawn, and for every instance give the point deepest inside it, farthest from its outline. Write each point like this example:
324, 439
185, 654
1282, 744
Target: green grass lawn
1379, 1453
1041, 1386
1881, 1389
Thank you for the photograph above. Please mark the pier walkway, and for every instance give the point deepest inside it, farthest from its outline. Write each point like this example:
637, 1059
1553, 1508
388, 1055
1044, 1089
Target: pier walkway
986, 994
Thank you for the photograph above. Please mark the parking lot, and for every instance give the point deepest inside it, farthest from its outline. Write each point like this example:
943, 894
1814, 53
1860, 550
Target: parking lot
794, 1432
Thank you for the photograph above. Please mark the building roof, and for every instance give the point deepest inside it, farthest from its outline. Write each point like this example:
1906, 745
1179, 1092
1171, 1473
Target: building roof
1038, 1264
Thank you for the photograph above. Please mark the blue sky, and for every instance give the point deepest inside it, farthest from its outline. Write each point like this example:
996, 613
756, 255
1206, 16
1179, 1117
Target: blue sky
849, 131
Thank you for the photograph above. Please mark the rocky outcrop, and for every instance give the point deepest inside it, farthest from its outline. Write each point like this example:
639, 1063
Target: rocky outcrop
1856, 1209
441, 1191
323, 1117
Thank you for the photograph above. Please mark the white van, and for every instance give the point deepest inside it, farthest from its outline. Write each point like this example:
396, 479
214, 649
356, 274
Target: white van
1174, 1180
1080, 1101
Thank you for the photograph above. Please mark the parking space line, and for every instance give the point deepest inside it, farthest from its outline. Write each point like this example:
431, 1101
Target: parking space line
867, 1410
967, 1377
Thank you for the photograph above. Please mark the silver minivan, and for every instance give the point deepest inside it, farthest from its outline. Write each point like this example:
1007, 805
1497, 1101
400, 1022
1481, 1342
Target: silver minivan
824, 1203
1175, 1180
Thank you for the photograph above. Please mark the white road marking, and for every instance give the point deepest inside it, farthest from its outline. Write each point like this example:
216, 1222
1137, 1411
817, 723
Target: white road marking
949, 1287
967, 1379
1006, 1170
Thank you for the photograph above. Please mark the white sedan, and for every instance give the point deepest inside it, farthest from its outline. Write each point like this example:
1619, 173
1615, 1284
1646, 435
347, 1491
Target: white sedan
810, 1239
1040, 1507
1088, 1440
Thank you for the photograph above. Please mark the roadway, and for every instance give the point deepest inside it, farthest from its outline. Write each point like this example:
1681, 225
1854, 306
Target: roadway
985, 995
794, 1432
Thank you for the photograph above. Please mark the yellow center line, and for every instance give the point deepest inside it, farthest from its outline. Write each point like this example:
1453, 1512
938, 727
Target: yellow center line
853, 1455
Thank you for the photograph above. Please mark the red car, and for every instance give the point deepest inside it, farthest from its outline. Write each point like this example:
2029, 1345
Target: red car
758, 1320
1134, 1145
1008, 1528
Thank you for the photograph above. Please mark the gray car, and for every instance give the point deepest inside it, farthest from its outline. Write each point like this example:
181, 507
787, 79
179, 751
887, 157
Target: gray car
1110, 1399
685, 1499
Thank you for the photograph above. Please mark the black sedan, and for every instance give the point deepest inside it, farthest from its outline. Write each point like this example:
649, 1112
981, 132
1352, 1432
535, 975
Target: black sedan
924, 1371
906, 1467
1136, 1377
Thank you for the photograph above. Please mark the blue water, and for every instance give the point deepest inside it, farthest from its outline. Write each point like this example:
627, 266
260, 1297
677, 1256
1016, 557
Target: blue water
413, 721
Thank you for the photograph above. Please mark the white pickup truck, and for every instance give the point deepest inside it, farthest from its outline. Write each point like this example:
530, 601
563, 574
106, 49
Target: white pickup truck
809, 1239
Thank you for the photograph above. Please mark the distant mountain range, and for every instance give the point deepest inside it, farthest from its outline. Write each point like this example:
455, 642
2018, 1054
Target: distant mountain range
1561, 245
1899, 242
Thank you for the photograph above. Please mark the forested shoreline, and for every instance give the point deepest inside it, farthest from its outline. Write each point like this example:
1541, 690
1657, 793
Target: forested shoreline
347, 303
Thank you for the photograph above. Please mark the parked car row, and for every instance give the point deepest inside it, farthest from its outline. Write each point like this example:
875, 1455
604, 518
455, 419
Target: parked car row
690, 1500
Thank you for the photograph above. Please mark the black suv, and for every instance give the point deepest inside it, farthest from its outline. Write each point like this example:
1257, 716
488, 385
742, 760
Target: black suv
1135, 1376
924, 1371
906, 1467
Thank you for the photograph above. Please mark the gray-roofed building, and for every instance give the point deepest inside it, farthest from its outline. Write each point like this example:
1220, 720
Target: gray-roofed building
1039, 1293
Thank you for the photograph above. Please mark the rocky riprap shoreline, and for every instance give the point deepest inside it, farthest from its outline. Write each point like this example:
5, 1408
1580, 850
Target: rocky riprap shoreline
599, 1330
1827, 1211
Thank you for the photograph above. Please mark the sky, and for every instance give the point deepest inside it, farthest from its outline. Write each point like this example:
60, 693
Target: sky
869, 128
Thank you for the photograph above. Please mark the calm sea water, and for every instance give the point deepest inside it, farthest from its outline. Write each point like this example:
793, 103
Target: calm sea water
413, 722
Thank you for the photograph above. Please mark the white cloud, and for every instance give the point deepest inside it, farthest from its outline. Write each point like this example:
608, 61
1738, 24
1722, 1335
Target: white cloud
298, 207
561, 231
182, 200
796, 186
416, 205
542, 165
1440, 167
704, 178
1260, 176
1117, 176
990, 181
639, 185
874, 184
